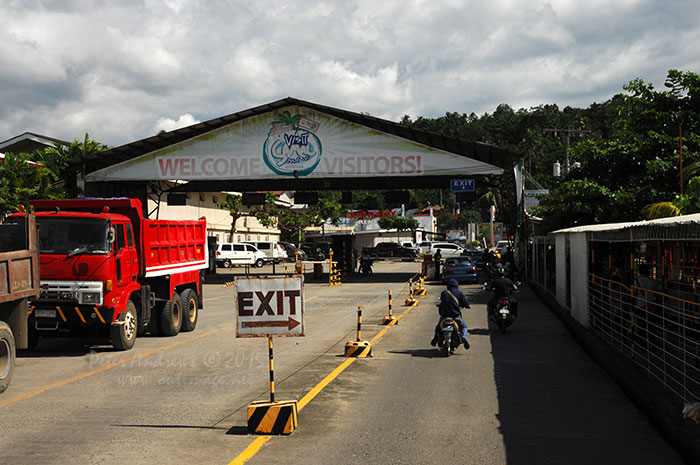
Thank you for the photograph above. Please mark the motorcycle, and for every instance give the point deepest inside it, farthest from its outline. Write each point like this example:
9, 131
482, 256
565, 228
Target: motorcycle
502, 315
366, 265
448, 337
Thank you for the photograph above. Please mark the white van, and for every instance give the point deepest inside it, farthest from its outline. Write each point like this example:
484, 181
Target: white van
274, 251
229, 254
424, 247
502, 246
447, 249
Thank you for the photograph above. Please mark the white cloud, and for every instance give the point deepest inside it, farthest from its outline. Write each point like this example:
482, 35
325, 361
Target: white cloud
113, 69
168, 124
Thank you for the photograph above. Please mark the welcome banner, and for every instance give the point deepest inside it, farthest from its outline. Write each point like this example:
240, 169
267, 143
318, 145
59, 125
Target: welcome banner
292, 141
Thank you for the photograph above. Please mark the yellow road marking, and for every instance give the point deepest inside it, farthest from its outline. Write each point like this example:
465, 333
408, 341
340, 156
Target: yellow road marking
255, 446
107, 367
325, 382
250, 451
311, 298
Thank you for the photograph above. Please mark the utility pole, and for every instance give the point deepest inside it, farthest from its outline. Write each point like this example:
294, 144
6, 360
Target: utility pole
568, 133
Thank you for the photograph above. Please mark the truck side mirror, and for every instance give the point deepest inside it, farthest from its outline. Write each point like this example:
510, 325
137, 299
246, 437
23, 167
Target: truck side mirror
111, 235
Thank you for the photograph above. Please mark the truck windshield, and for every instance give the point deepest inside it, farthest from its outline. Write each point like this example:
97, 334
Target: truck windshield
74, 235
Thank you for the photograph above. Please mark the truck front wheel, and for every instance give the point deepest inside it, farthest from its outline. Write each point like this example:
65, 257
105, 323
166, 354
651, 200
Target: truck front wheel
123, 335
259, 263
191, 310
171, 316
7, 355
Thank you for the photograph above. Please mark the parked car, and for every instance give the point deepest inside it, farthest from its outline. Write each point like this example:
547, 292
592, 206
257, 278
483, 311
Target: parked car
424, 247
274, 251
411, 245
293, 251
316, 250
502, 246
390, 250
477, 257
447, 249
229, 254
461, 269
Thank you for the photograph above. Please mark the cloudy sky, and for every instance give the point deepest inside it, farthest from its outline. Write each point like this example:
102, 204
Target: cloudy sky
123, 70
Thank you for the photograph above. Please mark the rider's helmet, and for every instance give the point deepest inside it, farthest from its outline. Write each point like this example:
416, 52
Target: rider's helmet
452, 283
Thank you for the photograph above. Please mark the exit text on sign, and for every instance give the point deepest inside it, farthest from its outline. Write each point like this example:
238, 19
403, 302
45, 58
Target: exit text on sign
269, 306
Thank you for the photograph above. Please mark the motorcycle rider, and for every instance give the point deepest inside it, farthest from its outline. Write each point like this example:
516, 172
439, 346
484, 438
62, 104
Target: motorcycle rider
451, 300
502, 287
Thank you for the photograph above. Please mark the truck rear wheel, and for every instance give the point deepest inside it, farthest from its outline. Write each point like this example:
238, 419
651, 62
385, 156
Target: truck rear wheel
191, 310
7, 355
123, 336
171, 316
259, 263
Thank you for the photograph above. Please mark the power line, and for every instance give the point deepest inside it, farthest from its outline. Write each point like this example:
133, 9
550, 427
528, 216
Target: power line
568, 133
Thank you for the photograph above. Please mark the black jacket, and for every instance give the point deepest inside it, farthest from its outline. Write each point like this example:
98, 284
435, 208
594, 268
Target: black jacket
448, 307
503, 287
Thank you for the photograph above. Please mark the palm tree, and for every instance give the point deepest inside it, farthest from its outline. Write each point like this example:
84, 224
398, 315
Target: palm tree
682, 204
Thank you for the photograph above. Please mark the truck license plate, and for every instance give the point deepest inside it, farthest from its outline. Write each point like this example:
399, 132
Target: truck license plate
45, 313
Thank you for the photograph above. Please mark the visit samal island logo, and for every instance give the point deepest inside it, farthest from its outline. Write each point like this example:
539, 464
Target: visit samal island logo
292, 145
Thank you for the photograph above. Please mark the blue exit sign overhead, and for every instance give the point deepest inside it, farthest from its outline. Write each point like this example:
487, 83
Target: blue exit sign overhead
462, 185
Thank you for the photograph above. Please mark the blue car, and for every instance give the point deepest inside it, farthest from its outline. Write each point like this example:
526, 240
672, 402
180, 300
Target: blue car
461, 269
475, 255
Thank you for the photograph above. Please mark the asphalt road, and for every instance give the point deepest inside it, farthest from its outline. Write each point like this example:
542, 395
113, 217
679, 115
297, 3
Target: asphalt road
531, 396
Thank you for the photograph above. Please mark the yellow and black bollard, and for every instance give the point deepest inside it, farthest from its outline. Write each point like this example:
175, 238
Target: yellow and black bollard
333, 272
272, 417
419, 289
390, 319
410, 302
358, 348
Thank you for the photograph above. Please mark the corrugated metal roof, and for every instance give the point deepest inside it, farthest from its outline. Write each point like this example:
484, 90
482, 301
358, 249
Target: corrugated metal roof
676, 227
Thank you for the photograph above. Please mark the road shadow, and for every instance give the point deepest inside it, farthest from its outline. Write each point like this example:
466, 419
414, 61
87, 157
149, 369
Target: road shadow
424, 353
170, 427
556, 406
66, 347
479, 332
238, 431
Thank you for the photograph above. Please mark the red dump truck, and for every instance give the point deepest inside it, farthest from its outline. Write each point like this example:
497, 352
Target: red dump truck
106, 270
19, 279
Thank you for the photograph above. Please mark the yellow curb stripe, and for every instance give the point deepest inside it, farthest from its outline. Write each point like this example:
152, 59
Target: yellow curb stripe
255, 446
325, 382
107, 367
250, 451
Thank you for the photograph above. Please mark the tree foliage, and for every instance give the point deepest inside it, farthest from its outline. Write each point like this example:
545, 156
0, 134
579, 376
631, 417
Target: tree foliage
398, 223
447, 222
62, 161
629, 148
21, 181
